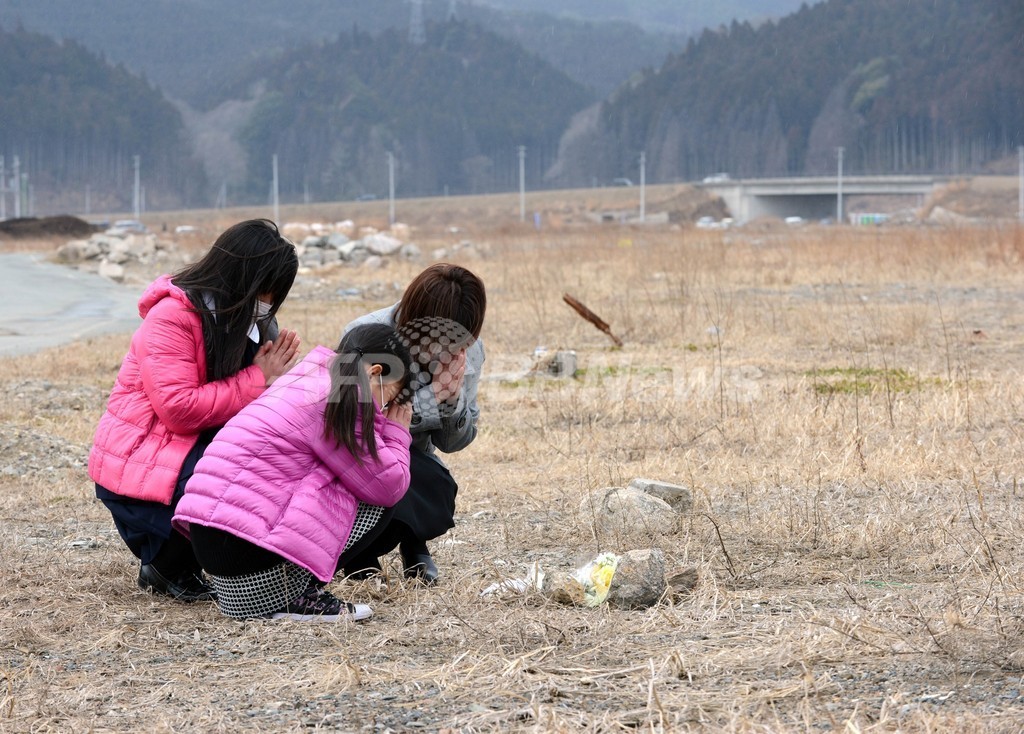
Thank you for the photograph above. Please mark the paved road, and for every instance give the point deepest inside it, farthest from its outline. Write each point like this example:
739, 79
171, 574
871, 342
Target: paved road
44, 305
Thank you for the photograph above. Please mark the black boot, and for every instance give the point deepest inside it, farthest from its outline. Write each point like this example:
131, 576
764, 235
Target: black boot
417, 562
185, 586
175, 572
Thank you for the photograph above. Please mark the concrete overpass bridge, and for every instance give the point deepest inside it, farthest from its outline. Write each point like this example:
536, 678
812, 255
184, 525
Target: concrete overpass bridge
812, 197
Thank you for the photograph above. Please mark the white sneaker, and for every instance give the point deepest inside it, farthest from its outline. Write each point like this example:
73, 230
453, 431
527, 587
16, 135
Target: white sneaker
319, 605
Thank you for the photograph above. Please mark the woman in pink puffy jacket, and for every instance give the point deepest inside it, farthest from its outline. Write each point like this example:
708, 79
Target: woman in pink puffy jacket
207, 346
302, 479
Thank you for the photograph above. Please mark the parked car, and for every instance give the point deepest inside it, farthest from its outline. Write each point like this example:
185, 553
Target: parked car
720, 177
622, 182
127, 226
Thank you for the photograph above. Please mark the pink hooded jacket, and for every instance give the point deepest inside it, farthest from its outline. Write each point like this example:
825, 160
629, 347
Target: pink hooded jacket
161, 399
273, 478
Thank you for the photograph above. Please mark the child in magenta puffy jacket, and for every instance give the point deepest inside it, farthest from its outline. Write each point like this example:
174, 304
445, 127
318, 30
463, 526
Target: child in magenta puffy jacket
301, 478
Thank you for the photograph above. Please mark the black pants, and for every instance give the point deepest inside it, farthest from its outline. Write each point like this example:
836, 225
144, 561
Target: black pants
426, 511
224, 554
145, 527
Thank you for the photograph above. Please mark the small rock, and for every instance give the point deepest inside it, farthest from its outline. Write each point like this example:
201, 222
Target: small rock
382, 244
639, 580
410, 252
627, 513
684, 582
312, 258
337, 239
110, 270
678, 498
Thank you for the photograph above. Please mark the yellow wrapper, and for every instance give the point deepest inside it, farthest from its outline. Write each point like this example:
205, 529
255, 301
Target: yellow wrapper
596, 578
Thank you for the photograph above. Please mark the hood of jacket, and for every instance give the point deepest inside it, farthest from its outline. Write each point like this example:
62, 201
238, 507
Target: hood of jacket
157, 291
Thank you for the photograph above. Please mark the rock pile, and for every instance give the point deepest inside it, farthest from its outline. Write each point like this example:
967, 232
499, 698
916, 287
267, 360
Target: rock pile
369, 251
110, 253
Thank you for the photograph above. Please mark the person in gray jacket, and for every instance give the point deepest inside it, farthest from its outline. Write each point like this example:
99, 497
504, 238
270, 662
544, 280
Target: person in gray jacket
441, 315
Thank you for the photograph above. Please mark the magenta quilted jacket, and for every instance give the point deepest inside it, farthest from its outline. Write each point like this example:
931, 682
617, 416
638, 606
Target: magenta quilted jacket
273, 478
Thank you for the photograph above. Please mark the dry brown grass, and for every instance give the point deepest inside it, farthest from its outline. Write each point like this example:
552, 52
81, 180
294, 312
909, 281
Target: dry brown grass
845, 405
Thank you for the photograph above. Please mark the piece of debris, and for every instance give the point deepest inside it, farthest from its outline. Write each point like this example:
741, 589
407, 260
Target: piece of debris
554, 364
591, 317
683, 582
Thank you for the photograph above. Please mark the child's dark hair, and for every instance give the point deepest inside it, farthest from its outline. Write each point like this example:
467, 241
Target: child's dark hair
248, 260
368, 344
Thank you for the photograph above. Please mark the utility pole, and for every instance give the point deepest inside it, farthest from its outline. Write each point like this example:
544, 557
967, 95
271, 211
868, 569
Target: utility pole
643, 187
391, 188
88, 207
136, 191
16, 183
839, 187
3, 190
1020, 182
276, 192
522, 183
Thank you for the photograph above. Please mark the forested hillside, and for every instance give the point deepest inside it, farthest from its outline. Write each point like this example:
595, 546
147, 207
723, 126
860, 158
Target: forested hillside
75, 121
916, 86
672, 16
453, 110
186, 46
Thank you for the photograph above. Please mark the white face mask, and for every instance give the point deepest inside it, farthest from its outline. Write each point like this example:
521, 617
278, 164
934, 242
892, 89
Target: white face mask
262, 309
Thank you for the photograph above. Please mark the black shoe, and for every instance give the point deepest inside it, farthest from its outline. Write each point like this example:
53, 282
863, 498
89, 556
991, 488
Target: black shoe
187, 587
361, 569
420, 566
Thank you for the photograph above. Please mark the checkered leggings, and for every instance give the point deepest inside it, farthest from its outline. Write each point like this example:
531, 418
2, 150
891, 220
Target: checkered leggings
262, 593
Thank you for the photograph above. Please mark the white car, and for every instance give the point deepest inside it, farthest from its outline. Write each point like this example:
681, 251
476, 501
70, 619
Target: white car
127, 226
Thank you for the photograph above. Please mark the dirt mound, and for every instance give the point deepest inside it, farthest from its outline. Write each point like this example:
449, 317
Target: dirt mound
36, 227
691, 204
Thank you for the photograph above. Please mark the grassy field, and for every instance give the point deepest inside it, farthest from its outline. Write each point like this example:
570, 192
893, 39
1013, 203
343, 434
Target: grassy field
844, 403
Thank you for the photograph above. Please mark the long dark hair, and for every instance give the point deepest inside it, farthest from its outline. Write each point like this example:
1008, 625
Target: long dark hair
368, 344
248, 260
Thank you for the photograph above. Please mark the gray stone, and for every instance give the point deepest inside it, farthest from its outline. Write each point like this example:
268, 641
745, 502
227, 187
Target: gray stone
625, 514
313, 241
358, 256
118, 256
141, 246
96, 246
72, 251
312, 258
337, 239
373, 262
112, 271
639, 580
411, 252
347, 250
677, 497
382, 244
